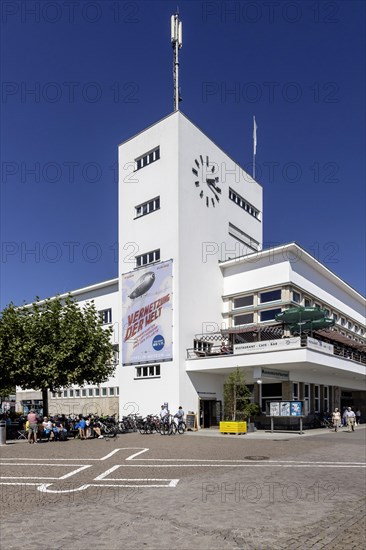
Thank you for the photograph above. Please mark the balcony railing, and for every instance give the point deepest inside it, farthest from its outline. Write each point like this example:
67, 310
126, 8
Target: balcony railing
213, 345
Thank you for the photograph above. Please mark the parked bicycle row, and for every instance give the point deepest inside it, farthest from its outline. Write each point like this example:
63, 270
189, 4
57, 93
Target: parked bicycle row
36, 428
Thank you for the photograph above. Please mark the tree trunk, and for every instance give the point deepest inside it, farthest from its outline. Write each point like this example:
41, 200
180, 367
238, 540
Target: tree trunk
45, 402
234, 416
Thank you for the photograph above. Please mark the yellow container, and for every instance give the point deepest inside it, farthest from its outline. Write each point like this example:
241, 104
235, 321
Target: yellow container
233, 427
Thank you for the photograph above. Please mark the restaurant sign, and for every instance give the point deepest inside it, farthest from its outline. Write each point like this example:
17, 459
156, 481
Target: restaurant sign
268, 345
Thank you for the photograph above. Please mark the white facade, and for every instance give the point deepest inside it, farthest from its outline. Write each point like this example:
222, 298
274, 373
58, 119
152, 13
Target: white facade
191, 230
225, 289
100, 399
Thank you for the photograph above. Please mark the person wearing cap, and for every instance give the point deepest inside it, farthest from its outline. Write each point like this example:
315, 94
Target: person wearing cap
351, 419
336, 419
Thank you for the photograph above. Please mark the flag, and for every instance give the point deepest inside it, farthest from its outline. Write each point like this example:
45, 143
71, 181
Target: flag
254, 136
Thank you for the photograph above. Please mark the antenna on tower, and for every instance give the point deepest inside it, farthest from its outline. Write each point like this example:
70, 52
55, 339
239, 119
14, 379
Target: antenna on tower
176, 38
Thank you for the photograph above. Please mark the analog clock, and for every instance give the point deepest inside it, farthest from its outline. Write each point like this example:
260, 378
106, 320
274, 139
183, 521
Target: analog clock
205, 181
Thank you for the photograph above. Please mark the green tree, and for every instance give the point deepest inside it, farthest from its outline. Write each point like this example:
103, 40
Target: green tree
237, 398
53, 344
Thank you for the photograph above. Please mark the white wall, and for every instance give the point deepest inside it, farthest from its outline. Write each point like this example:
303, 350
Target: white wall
180, 229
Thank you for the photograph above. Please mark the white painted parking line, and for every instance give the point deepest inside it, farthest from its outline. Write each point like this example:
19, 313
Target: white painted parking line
65, 476
105, 457
246, 465
101, 481
106, 473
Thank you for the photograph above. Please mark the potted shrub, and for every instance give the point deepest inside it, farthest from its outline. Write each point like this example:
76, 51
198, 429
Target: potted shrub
238, 408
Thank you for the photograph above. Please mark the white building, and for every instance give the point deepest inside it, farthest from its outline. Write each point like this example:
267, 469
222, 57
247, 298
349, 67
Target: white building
196, 296
182, 198
101, 399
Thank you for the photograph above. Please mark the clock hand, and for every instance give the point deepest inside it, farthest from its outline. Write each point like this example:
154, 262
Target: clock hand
213, 189
212, 183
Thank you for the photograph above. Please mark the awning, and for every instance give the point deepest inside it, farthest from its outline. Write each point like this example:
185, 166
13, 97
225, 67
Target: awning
337, 337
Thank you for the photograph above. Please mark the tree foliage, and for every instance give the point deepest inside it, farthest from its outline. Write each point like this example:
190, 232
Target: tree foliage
53, 344
237, 398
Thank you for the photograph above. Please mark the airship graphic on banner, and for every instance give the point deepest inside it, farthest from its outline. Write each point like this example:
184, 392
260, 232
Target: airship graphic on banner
143, 284
147, 314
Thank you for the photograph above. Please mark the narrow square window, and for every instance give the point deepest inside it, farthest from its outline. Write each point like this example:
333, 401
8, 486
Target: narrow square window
77, 393
83, 393
104, 392
111, 391
71, 393
90, 392
97, 392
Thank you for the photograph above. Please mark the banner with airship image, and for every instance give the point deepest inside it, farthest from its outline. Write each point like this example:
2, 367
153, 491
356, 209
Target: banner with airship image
147, 333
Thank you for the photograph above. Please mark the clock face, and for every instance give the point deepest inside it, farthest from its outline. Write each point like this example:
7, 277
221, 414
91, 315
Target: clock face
205, 181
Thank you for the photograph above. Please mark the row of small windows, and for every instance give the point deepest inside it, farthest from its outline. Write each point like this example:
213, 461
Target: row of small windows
339, 320
151, 371
148, 258
264, 298
270, 296
264, 315
87, 392
147, 158
235, 197
147, 207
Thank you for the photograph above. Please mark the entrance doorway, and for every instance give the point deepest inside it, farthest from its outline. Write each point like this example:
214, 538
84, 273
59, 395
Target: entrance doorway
210, 413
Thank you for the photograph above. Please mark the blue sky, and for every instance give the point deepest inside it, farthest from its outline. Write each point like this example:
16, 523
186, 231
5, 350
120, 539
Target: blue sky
79, 78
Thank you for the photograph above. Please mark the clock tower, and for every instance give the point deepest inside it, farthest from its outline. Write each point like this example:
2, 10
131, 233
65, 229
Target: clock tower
181, 199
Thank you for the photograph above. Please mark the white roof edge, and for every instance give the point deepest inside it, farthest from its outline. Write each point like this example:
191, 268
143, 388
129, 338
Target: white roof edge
309, 257
77, 291
90, 288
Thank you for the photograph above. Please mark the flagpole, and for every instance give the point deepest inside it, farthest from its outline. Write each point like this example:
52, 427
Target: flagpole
254, 144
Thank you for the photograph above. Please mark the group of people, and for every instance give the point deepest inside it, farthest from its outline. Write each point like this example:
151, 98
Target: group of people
164, 414
347, 418
57, 428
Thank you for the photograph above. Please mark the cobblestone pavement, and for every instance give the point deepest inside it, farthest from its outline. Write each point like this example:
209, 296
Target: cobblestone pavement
186, 492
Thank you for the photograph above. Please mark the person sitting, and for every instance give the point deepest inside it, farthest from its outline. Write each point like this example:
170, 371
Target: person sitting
59, 430
225, 348
94, 428
81, 426
47, 428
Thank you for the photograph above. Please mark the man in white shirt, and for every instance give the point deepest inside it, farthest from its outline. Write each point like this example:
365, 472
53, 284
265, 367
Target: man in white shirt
351, 419
163, 413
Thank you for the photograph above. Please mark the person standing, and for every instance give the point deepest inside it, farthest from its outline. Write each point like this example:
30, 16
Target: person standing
351, 419
336, 419
179, 415
358, 417
32, 418
164, 414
